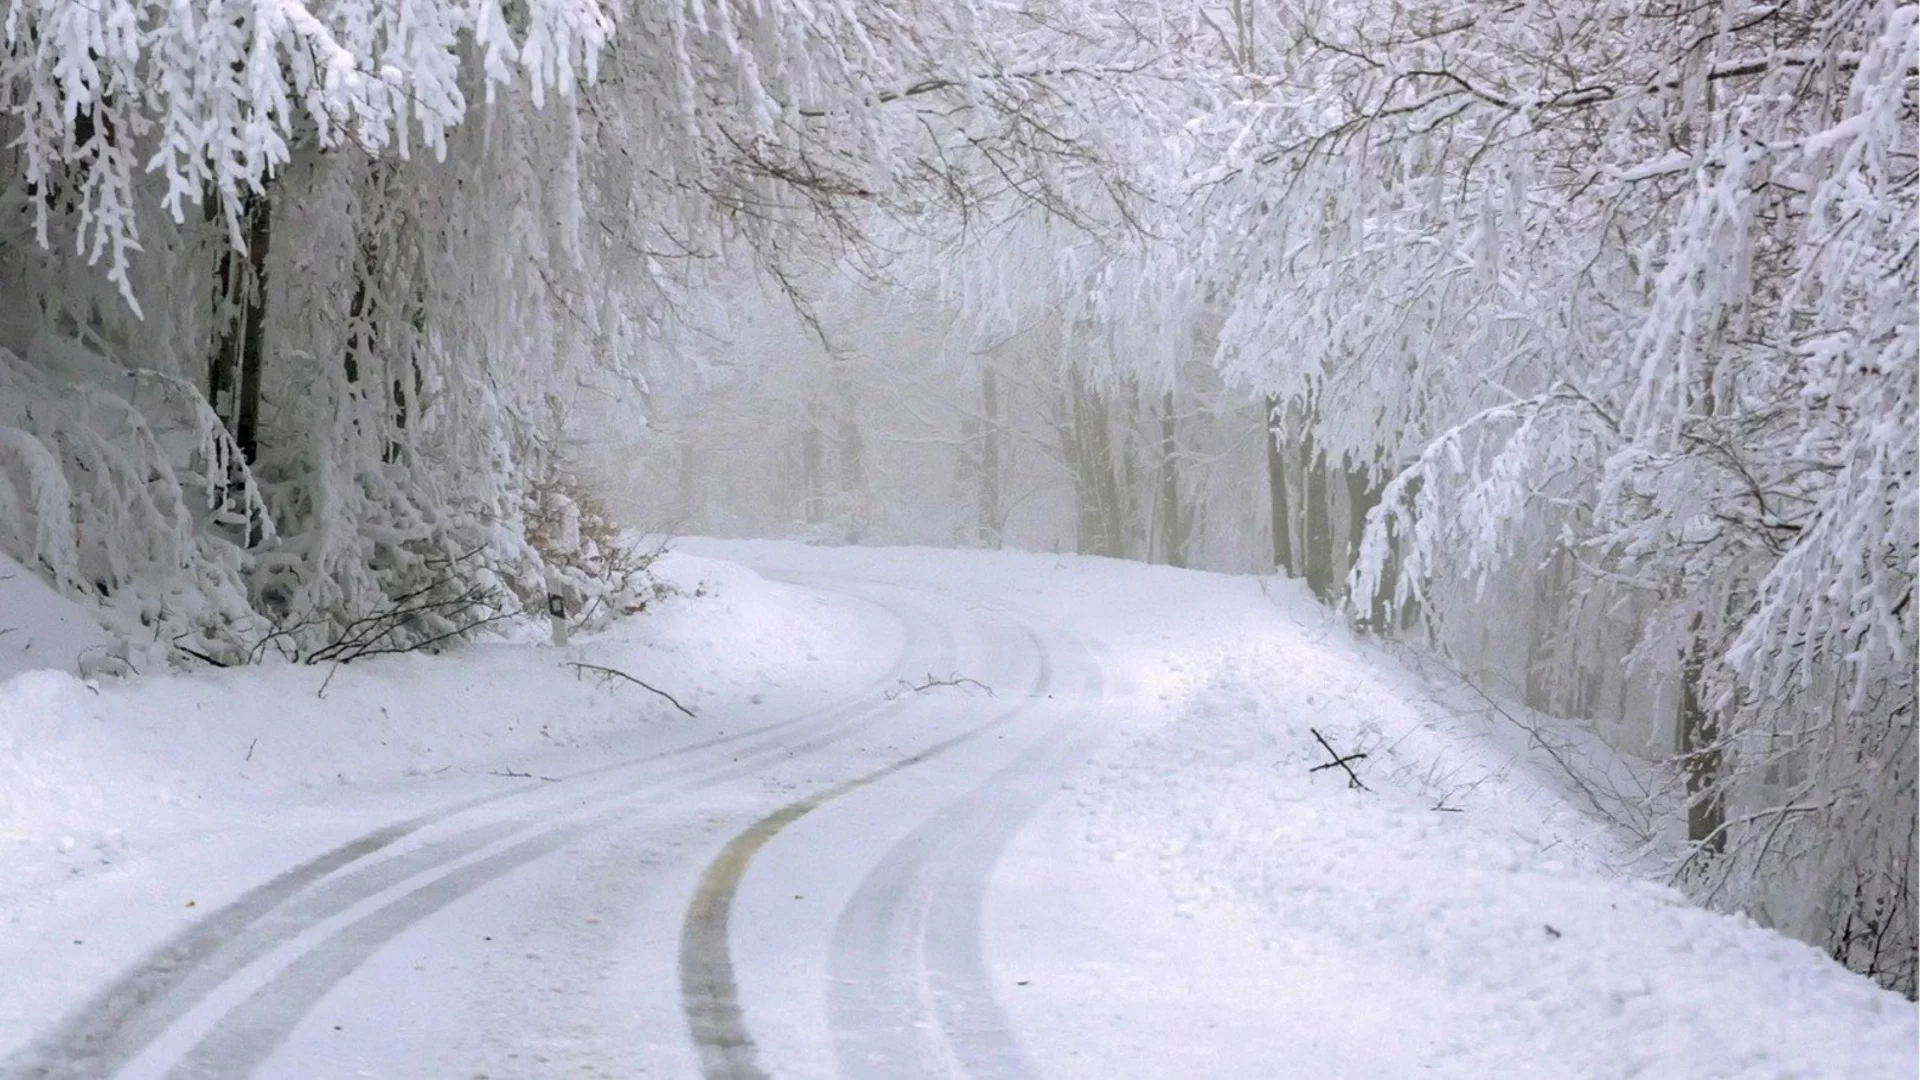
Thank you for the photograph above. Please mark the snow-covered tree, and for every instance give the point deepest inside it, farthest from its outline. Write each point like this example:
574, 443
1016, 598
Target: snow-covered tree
371, 251
1621, 298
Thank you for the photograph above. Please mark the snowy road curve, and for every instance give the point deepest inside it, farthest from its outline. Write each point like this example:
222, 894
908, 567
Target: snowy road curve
941, 814
798, 897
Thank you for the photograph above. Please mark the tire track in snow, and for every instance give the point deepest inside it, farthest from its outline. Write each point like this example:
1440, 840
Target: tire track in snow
246, 1034
909, 993
709, 991
113, 1028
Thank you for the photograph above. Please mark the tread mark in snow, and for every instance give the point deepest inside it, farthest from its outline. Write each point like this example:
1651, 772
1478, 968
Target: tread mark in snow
117, 1024
910, 935
923, 900
710, 996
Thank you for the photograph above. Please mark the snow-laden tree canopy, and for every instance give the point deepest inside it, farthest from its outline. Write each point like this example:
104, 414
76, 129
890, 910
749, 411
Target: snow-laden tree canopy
344, 265
1602, 318
1627, 290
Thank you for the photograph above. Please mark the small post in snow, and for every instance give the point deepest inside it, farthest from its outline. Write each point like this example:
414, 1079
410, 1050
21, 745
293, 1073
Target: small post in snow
556, 608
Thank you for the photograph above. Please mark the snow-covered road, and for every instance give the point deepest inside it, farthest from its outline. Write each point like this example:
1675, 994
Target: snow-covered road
798, 897
1004, 829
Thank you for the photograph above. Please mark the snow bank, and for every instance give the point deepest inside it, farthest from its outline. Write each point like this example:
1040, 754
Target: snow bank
1469, 873
91, 771
1462, 880
41, 629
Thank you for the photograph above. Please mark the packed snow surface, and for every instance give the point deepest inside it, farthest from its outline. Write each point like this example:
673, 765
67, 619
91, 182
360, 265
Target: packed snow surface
936, 813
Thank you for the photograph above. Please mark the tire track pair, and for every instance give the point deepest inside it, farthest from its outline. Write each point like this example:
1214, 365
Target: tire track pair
909, 993
110, 1031
868, 992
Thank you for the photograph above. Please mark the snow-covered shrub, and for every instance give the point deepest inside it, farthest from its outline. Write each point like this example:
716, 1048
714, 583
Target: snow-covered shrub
110, 483
603, 565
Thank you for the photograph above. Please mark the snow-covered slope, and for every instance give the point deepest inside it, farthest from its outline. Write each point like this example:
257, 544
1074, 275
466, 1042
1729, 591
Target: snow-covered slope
1466, 915
1200, 897
40, 629
112, 778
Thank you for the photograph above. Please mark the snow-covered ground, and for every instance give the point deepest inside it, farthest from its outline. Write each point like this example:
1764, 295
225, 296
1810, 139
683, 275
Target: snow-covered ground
39, 630
1096, 845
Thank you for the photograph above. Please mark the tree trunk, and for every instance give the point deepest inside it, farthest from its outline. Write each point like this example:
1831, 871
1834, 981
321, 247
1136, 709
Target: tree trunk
1090, 455
850, 505
363, 329
812, 467
224, 355
1699, 745
690, 491
1120, 484
1362, 497
257, 217
360, 317
406, 402
813, 464
1363, 494
237, 359
1086, 521
990, 524
1537, 693
1318, 524
1277, 493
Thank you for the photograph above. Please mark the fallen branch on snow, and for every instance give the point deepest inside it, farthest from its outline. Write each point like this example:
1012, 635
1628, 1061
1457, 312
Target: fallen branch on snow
518, 775
1353, 779
962, 681
615, 673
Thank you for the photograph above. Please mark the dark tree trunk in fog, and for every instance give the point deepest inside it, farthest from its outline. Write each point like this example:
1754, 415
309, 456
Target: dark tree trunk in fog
1277, 493
1317, 521
377, 349
1540, 644
1700, 751
1363, 494
238, 354
853, 456
690, 497
1122, 484
812, 466
1362, 497
257, 217
1089, 446
361, 321
224, 355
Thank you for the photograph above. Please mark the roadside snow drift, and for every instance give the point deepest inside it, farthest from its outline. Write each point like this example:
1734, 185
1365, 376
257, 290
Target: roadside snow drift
40, 629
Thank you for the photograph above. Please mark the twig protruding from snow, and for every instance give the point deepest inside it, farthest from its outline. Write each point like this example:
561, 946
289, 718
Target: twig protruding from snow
906, 687
1339, 761
612, 673
516, 774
